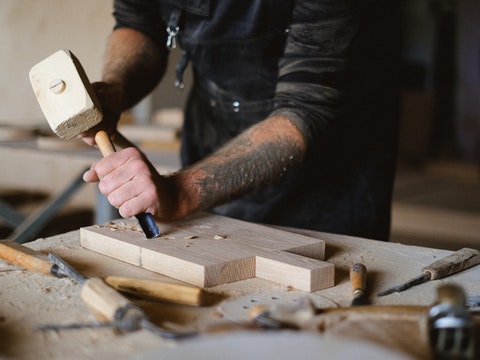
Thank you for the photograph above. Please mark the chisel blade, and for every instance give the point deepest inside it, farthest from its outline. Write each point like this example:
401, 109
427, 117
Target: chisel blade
415, 281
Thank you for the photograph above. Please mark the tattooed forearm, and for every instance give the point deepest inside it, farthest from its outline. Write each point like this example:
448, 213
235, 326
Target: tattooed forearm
254, 159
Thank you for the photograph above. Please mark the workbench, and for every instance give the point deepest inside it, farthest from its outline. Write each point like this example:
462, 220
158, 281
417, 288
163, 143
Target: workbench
29, 300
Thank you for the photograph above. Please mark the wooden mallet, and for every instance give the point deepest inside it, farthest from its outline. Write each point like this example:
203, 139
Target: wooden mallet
71, 107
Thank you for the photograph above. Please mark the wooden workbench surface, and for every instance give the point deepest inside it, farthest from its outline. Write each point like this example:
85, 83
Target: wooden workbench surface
29, 300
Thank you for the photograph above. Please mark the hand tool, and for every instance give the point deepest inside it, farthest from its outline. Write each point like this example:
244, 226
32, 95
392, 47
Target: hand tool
36, 261
158, 290
453, 263
110, 306
27, 258
298, 316
451, 326
71, 106
358, 279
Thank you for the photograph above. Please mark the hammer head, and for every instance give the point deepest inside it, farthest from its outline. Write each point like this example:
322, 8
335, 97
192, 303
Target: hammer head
65, 94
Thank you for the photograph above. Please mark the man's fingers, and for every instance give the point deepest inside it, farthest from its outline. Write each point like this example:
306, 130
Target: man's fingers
90, 175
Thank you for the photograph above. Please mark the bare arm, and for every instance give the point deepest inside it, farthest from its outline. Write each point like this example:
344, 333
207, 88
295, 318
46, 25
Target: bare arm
133, 62
257, 157
133, 66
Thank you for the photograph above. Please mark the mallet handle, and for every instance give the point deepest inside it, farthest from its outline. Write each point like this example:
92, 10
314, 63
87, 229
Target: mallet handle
146, 220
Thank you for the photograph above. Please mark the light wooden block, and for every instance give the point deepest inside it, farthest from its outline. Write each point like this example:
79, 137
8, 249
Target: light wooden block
294, 270
64, 94
208, 250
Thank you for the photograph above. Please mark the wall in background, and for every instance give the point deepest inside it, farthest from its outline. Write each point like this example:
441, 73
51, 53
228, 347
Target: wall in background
31, 30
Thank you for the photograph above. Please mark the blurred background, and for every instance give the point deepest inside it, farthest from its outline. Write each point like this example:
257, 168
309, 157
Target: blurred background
437, 189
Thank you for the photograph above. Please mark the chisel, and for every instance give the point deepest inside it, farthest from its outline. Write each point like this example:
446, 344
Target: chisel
27, 258
109, 305
358, 279
36, 261
453, 263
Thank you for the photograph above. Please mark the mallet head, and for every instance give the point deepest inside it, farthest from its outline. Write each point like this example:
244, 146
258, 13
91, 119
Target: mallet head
65, 95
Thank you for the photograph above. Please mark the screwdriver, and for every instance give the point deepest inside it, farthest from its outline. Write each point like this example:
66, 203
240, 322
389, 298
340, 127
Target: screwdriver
453, 263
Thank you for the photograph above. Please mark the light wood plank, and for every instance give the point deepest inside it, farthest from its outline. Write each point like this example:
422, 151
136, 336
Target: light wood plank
207, 250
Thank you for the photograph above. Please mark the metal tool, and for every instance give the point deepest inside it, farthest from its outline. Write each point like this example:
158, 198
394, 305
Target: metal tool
451, 326
109, 306
36, 261
453, 263
27, 258
71, 107
358, 279
299, 315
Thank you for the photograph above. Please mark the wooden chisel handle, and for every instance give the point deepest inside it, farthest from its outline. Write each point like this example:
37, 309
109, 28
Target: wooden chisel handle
146, 220
109, 305
358, 278
157, 290
453, 263
24, 257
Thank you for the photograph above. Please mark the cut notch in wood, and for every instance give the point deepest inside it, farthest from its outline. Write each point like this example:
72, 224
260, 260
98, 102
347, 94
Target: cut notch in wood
247, 250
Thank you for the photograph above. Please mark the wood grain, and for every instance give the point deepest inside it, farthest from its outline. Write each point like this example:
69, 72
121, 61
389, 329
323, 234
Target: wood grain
64, 94
208, 250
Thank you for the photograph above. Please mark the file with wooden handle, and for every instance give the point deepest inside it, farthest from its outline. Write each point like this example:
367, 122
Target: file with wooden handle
452, 264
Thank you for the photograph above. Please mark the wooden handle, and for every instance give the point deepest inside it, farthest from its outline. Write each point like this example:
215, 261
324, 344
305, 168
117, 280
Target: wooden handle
146, 220
109, 305
158, 290
24, 257
358, 278
453, 263
104, 143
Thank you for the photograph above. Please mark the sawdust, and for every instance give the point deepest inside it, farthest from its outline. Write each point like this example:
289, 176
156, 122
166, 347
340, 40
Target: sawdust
120, 226
29, 300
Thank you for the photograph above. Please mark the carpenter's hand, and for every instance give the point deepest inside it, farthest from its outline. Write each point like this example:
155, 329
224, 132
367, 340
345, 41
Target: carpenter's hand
110, 98
133, 186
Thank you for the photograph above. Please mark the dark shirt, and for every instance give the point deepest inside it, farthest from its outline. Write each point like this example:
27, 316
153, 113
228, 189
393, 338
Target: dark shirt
328, 65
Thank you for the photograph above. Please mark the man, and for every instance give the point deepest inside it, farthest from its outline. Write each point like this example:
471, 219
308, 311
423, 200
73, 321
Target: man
292, 119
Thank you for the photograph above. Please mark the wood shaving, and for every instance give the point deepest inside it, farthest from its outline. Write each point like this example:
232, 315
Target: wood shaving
116, 226
220, 237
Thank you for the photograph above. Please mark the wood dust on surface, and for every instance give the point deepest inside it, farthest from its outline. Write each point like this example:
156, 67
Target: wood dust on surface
29, 300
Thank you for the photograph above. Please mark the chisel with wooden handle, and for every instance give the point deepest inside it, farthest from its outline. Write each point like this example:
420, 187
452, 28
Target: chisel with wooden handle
158, 290
108, 305
27, 258
358, 279
38, 262
453, 263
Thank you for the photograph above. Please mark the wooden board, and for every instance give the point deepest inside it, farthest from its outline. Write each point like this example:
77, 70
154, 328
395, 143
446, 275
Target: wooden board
207, 250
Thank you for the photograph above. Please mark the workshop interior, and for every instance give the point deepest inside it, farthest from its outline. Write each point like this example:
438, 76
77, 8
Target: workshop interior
73, 287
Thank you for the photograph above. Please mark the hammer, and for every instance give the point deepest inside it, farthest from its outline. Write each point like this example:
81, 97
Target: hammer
71, 107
